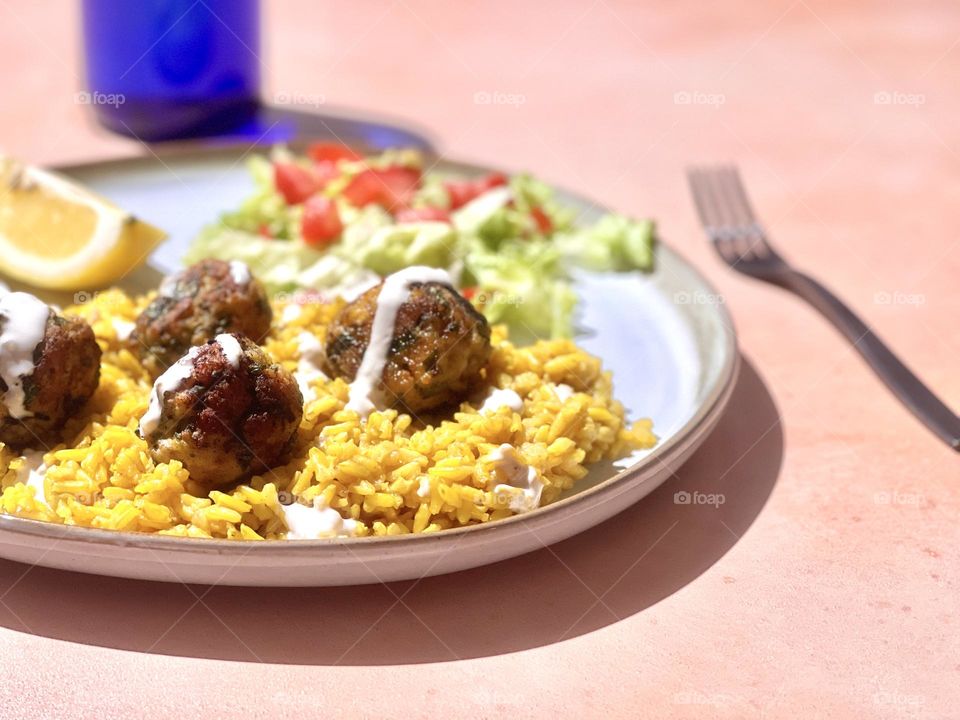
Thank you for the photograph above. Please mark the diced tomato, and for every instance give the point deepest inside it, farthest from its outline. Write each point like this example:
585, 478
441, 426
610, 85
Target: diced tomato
325, 171
406, 215
392, 187
321, 223
463, 191
331, 152
544, 224
494, 179
460, 193
295, 183
264, 231
469, 292
398, 185
363, 189
402, 183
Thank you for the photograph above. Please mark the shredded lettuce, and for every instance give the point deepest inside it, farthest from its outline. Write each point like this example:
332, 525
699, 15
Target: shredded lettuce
331, 271
432, 193
265, 209
498, 245
614, 243
530, 193
490, 218
523, 285
278, 264
393, 247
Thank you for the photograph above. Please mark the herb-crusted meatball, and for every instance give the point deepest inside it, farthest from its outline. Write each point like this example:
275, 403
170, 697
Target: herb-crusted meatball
225, 410
195, 305
439, 345
49, 367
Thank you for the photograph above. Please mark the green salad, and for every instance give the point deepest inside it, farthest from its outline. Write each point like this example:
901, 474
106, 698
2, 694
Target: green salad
335, 221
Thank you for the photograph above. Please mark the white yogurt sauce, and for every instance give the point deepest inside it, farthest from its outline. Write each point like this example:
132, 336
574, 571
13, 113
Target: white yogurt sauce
123, 328
231, 348
625, 462
168, 287
24, 324
239, 272
319, 521
564, 392
32, 472
395, 291
523, 485
423, 491
290, 313
308, 366
176, 374
168, 382
499, 398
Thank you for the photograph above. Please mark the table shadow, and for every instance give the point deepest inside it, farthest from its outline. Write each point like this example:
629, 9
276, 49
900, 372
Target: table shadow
587, 582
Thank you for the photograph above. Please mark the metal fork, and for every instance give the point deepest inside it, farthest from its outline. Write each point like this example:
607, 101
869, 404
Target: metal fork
741, 241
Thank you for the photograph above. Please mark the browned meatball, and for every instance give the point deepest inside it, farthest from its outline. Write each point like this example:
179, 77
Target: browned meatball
66, 372
193, 306
440, 344
225, 410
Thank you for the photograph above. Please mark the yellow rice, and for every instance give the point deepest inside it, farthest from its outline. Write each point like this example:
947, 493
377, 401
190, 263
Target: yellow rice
102, 476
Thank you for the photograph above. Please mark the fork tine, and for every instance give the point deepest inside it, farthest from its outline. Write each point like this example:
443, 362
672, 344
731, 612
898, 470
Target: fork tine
706, 199
720, 197
724, 212
737, 195
699, 200
744, 247
753, 236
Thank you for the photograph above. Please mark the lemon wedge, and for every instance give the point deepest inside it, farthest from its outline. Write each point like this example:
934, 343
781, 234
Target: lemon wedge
57, 234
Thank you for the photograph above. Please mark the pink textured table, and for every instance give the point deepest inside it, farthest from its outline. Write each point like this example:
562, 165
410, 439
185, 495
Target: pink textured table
827, 583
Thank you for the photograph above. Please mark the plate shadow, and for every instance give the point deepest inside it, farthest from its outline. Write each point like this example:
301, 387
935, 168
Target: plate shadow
587, 582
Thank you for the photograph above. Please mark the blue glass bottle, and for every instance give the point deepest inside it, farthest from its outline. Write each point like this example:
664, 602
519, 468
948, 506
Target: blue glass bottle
159, 69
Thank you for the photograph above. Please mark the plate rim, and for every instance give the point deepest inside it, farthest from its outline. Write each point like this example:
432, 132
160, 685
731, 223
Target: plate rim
684, 440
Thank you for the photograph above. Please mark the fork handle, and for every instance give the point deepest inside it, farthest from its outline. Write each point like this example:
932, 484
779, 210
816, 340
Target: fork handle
897, 376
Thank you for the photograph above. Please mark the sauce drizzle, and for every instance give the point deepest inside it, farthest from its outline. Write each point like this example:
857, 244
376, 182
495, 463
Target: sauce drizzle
24, 320
395, 291
176, 374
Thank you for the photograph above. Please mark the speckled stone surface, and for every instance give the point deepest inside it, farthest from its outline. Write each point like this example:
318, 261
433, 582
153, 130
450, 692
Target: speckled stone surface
825, 584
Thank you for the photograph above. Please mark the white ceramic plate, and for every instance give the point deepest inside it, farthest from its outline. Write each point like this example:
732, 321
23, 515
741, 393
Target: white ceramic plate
672, 350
